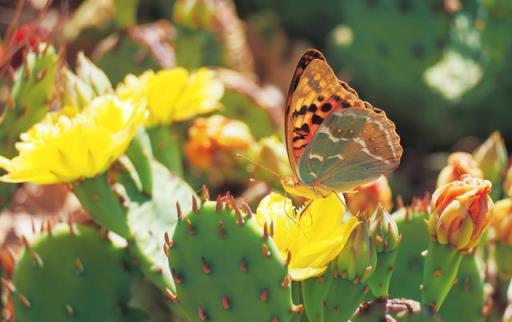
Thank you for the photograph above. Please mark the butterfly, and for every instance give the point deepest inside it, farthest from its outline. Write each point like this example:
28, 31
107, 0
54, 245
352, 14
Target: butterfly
335, 141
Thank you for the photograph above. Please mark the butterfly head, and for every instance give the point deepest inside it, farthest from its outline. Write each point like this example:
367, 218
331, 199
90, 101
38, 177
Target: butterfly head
295, 187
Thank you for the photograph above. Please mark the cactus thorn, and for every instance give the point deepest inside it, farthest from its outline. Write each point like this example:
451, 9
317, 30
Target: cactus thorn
424, 253
239, 219
288, 259
166, 250
8, 285
222, 230
218, 204
205, 267
244, 267
178, 211
171, 296
265, 231
356, 280
265, 250
41, 74
336, 272
297, 309
38, 261
70, 311
23, 299
79, 265
195, 206
25, 242
286, 281
225, 302
11, 104
33, 225
202, 314
178, 279
190, 228
264, 295
205, 195
400, 202
247, 209
437, 273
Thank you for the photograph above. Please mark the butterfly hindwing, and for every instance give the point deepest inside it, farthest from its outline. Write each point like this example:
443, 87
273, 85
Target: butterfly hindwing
314, 93
352, 146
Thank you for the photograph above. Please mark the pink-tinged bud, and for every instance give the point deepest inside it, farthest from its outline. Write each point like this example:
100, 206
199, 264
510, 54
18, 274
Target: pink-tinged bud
507, 184
502, 221
461, 211
367, 197
491, 157
214, 142
459, 165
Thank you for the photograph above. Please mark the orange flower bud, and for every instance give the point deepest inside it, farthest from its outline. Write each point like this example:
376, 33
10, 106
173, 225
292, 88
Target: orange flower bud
461, 211
459, 164
502, 221
367, 197
507, 184
213, 141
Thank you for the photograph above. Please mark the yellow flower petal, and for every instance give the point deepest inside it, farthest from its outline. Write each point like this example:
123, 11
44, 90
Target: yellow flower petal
313, 237
174, 94
70, 144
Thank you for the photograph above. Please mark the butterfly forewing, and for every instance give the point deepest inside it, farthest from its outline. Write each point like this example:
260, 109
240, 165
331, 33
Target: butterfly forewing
351, 147
315, 92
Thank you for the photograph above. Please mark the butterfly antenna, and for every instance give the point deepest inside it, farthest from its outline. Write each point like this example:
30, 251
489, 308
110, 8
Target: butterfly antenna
260, 165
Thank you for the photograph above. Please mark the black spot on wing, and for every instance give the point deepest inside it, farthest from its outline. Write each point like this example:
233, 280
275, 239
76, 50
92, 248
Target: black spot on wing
317, 119
326, 107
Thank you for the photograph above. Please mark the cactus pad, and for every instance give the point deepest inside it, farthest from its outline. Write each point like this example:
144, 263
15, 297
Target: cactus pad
72, 275
225, 269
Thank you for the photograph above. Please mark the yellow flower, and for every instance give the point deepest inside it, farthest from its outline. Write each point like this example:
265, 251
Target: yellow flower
461, 212
367, 197
313, 237
71, 144
502, 221
174, 94
459, 164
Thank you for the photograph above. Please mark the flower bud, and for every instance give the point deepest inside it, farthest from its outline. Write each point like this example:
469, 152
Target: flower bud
92, 75
365, 198
195, 14
507, 184
214, 141
459, 164
461, 211
384, 231
357, 260
270, 153
491, 157
502, 221
75, 91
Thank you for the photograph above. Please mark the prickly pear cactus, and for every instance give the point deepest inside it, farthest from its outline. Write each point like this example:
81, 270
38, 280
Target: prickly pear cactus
466, 300
218, 248
85, 274
407, 277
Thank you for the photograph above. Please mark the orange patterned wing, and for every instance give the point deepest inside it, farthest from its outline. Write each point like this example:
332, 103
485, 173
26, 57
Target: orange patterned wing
315, 92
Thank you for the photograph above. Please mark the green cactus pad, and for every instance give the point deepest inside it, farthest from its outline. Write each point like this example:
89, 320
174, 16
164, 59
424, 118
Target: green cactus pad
407, 277
149, 217
244, 100
72, 275
465, 302
225, 269
343, 297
